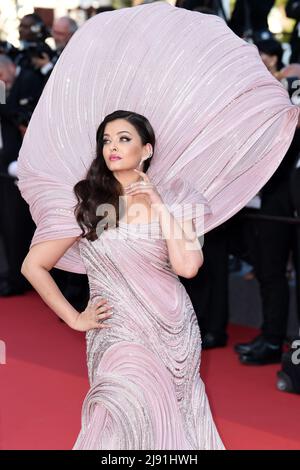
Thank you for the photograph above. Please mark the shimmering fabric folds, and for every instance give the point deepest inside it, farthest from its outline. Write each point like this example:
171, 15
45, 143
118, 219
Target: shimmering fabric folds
145, 389
222, 122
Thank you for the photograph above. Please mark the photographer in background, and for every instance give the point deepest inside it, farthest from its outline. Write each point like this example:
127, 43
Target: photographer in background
9, 50
23, 89
33, 34
62, 30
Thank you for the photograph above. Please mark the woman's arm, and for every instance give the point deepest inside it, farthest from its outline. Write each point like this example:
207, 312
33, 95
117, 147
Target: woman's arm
36, 266
184, 249
185, 252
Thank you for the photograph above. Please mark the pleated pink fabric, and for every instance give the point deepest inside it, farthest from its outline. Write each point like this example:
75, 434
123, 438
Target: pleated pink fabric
222, 122
145, 387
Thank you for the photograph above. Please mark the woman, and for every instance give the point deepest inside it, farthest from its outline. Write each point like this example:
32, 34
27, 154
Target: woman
221, 130
143, 341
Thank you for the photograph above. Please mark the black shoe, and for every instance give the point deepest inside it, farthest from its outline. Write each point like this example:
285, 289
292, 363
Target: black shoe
245, 348
263, 354
210, 341
7, 289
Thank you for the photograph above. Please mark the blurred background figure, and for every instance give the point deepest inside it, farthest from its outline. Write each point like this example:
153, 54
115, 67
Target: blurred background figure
271, 53
62, 30
289, 375
249, 19
6, 48
215, 7
23, 89
105, 8
275, 242
32, 29
33, 34
293, 11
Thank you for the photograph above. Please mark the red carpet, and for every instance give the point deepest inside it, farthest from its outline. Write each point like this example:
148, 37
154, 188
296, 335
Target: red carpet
44, 381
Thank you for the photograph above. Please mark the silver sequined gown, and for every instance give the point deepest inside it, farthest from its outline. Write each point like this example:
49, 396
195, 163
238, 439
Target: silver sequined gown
145, 388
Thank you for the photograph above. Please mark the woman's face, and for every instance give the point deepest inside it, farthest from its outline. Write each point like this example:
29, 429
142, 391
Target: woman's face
121, 139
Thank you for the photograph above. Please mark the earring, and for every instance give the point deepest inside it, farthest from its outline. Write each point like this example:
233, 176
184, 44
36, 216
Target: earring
143, 159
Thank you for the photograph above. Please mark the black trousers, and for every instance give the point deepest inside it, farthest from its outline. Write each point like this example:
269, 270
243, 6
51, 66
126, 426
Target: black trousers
275, 242
16, 229
295, 196
242, 236
208, 290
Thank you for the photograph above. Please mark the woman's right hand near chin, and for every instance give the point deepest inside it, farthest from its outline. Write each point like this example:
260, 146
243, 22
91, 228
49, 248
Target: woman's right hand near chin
93, 316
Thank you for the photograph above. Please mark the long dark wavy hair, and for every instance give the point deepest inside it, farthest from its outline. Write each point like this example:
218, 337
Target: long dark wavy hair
100, 185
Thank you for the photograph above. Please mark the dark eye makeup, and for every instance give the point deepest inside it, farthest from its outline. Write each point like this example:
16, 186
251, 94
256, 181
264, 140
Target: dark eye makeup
104, 141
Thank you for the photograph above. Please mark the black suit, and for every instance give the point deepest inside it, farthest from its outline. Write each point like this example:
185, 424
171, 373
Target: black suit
275, 242
293, 11
16, 225
250, 14
19, 106
215, 6
295, 196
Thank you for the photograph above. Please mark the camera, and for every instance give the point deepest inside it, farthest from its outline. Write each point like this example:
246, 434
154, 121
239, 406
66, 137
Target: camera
8, 49
36, 49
